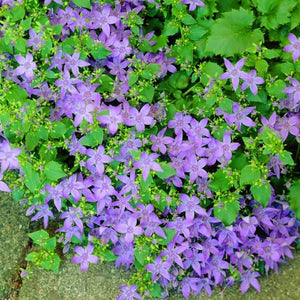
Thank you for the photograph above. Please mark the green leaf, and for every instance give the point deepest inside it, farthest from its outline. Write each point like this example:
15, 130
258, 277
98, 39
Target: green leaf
249, 175
275, 89
31, 141
226, 210
239, 161
294, 197
132, 79
47, 47
171, 27
20, 45
18, 13
167, 171
170, 233
5, 48
188, 20
39, 237
59, 129
32, 256
141, 253
261, 193
145, 184
51, 262
53, 171
26, 24
147, 94
286, 158
109, 256
221, 181
50, 244
197, 32
31, 177
275, 12
232, 34
100, 52
82, 3
155, 290
94, 138
47, 154
17, 194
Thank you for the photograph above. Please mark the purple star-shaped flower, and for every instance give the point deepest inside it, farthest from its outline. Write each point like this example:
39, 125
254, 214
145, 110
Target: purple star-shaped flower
140, 118
250, 80
8, 157
294, 46
227, 146
193, 4
195, 167
113, 119
239, 116
248, 278
288, 125
85, 257
129, 229
160, 141
43, 212
294, 90
26, 66
234, 72
73, 62
97, 158
66, 83
129, 293
190, 205
147, 163
159, 268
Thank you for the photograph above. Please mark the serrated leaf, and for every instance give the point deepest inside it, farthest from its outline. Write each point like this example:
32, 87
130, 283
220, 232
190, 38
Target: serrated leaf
32, 256
141, 254
100, 52
53, 171
20, 45
147, 94
221, 181
39, 237
261, 193
226, 210
286, 158
59, 129
82, 3
50, 244
31, 177
294, 197
94, 138
18, 13
31, 140
275, 12
275, 89
232, 34
249, 175
167, 171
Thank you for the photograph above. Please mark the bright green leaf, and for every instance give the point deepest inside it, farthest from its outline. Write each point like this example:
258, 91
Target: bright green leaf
39, 237
261, 193
53, 171
249, 175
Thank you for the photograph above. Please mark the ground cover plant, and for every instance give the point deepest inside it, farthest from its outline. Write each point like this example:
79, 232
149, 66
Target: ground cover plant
161, 135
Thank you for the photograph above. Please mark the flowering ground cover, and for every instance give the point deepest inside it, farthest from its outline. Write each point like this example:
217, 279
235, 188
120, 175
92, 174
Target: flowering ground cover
161, 135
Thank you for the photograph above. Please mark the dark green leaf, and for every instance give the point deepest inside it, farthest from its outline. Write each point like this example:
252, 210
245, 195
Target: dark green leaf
53, 171
261, 193
294, 197
249, 175
31, 178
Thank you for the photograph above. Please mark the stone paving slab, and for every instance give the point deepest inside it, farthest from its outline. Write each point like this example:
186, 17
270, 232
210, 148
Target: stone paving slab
14, 226
101, 282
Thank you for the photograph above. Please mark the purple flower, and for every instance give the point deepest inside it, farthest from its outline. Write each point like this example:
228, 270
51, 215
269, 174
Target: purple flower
227, 147
67, 83
190, 205
181, 226
73, 216
193, 4
55, 193
103, 19
113, 119
276, 164
239, 116
251, 81
234, 72
195, 167
46, 2
3, 186
129, 293
180, 122
26, 66
43, 212
294, 90
82, 111
152, 225
35, 40
73, 62
288, 125
8, 157
130, 185
147, 163
75, 145
140, 118
97, 158
248, 278
121, 48
129, 229
85, 257
294, 46
159, 268
57, 61
160, 141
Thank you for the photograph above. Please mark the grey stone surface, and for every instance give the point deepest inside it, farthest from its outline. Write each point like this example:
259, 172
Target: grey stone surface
13, 241
101, 282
